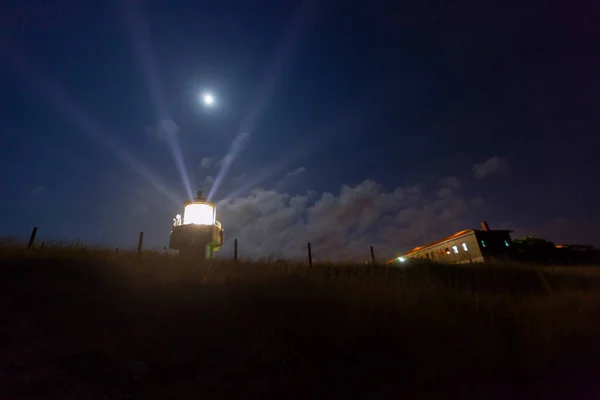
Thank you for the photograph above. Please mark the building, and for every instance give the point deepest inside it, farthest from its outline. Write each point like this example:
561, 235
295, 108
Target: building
468, 246
197, 233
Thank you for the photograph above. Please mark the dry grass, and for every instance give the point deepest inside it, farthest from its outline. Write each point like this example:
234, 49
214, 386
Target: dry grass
89, 324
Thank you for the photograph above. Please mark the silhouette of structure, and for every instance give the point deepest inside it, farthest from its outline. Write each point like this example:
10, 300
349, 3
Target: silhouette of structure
197, 233
469, 246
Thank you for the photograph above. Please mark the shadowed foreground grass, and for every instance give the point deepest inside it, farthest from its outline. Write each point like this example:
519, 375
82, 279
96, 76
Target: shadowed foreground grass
80, 324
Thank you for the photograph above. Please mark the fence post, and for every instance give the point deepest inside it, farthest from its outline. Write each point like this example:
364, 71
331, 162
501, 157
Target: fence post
32, 237
235, 251
372, 255
140, 242
309, 256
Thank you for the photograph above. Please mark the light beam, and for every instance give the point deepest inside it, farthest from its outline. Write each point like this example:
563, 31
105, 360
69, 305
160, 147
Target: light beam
58, 98
281, 58
234, 151
141, 40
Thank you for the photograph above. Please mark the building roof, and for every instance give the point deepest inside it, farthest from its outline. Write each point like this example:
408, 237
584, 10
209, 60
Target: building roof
456, 235
451, 237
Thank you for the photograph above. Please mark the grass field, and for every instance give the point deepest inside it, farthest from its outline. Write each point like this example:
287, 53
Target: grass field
88, 325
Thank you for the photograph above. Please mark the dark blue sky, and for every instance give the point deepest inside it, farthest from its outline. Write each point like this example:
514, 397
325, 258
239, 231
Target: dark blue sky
399, 93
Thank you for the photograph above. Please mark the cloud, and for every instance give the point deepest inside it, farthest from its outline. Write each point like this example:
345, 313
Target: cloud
288, 177
296, 172
163, 129
341, 225
206, 162
451, 182
494, 165
226, 159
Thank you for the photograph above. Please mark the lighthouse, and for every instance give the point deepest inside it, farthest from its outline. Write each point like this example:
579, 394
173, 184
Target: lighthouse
196, 232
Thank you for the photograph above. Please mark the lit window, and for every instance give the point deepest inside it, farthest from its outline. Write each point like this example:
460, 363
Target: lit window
199, 214
447, 251
455, 249
464, 246
483, 244
506, 243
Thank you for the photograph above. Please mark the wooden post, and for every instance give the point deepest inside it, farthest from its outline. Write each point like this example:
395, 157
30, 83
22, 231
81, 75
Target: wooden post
32, 237
140, 242
235, 251
372, 255
309, 256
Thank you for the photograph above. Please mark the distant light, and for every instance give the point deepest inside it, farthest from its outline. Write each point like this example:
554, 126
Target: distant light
208, 99
401, 259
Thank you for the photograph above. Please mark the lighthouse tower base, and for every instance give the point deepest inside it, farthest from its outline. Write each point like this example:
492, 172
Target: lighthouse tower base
197, 241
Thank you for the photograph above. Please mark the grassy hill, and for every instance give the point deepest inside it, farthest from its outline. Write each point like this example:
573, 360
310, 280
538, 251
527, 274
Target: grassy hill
92, 324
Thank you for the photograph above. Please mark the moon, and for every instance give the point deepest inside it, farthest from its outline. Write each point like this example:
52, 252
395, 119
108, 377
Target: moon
208, 99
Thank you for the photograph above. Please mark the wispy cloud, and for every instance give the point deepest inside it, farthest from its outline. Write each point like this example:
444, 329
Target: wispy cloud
206, 162
291, 175
492, 166
296, 172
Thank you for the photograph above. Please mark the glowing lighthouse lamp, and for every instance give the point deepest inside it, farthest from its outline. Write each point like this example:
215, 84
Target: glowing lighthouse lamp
198, 233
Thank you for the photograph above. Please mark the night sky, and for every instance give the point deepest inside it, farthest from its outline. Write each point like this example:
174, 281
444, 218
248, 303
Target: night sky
347, 124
